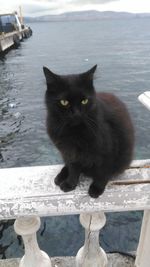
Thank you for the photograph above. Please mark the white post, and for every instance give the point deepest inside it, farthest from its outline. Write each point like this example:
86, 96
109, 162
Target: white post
34, 257
143, 251
91, 254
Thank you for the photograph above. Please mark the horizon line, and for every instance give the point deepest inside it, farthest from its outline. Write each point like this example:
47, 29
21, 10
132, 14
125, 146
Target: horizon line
94, 10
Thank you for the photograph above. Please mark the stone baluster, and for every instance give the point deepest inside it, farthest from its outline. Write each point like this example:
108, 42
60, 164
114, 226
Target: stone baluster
34, 257
143, 251
91, 254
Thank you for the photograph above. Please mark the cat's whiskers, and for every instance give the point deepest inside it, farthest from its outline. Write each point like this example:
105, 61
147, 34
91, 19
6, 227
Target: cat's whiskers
92, 122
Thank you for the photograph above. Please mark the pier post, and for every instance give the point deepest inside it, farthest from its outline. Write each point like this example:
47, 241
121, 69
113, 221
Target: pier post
91, 254
143, 251
34, 257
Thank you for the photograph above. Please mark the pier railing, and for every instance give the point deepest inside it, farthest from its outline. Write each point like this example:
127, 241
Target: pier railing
28, 193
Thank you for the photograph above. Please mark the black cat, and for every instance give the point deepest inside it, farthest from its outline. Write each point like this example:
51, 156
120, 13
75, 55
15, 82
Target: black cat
93, 132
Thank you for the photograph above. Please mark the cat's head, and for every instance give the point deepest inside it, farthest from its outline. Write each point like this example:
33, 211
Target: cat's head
70, 97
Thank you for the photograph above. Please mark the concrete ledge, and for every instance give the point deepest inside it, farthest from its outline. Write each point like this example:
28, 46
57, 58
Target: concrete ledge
114, 260
28, 191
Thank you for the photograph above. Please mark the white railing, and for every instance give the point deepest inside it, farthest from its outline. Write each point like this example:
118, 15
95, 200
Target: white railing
26, 194
145, 99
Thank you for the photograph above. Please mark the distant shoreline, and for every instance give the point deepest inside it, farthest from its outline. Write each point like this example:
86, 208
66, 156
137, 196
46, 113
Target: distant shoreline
91, 15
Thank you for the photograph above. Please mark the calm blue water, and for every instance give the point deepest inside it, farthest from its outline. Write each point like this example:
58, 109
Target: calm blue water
121, 48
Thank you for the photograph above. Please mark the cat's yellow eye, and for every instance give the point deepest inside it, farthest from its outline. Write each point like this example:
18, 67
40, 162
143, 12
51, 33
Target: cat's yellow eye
64, 103
84, 101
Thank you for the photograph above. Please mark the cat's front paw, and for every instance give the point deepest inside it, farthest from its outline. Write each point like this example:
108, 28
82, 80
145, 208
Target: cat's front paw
66, 186
59, 179
95, 191
62, 176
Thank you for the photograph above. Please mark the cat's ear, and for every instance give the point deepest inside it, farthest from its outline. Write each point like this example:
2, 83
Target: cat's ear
51, 77
90, 73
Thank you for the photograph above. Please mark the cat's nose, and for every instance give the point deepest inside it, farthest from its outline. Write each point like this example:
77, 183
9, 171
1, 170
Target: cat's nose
76, 117
76, 113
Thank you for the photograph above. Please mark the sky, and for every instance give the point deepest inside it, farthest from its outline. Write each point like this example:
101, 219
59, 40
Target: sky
45, 7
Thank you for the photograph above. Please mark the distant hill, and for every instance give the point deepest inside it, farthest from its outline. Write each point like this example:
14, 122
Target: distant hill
86, 15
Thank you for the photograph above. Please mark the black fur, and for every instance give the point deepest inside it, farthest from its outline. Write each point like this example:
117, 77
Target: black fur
95, 139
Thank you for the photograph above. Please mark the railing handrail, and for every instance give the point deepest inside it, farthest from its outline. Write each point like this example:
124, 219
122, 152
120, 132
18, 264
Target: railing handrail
27, 191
